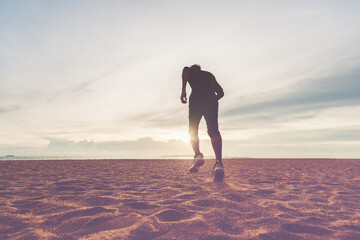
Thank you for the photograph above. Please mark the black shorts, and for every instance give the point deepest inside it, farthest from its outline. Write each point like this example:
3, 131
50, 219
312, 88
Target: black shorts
210, 112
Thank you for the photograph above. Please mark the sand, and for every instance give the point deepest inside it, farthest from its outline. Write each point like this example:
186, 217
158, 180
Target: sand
160, 199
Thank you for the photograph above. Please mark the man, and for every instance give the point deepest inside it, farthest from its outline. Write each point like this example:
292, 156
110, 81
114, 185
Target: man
203, 101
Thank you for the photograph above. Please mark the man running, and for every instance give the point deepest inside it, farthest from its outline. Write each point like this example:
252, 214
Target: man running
203, 101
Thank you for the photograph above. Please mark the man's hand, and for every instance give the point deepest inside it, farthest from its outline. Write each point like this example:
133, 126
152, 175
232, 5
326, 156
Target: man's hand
183, 97
219, 95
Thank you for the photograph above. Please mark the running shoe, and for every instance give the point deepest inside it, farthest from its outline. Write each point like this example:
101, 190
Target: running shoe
218, 172
197, 163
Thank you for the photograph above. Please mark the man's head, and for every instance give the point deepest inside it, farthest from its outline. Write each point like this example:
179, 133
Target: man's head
195, 68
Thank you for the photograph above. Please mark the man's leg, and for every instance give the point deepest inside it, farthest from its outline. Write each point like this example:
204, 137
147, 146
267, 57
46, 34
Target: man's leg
195, 144
211, 118
194, 120
216, 143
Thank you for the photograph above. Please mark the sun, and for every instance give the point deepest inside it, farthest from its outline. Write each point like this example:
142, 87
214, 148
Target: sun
183, 136
180, 135
174, 135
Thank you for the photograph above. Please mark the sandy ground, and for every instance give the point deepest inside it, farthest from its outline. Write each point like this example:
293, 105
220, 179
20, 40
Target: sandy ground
159, 199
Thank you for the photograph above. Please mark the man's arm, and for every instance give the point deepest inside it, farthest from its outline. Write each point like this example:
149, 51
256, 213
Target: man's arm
185, 76
218, 89
219, 94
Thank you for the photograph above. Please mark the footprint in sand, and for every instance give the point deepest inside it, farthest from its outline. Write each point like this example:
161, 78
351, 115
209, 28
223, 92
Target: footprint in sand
286, 209
85, 225
204, 203
173, 215
9, 225
141, 205
281, 235
66, 227
70, 182
215, 237
264, 193
187, 196
84, 212
235, 197
48, 208
351, 236
313, 220
96, 222
26, 204
300, 228
168, 202
352, 227
195, 188
69, 188
145, 232
228, 227
37, 207
101, 201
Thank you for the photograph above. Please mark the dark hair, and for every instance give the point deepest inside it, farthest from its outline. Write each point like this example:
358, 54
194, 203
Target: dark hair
195, 68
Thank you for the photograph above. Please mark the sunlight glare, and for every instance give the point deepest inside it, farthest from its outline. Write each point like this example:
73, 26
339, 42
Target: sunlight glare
183, 136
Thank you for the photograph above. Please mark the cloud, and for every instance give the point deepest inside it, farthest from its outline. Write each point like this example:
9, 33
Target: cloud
167, 119
10, 108
127, 62
310, 136
140, 148
302, 99
294, 143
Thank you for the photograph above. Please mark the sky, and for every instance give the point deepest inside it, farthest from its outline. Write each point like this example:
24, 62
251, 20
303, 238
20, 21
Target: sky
103, 78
